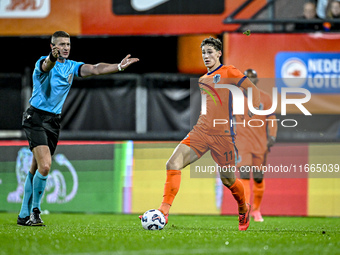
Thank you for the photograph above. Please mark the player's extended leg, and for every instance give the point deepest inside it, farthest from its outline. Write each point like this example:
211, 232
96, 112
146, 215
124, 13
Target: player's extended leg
182, 156
26, 206
43, 157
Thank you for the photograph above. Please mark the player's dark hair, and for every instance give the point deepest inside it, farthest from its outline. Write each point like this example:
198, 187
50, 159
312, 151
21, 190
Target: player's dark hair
59, 34
214, 42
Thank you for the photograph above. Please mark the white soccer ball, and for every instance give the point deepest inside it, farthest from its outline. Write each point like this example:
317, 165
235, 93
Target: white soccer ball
153, 220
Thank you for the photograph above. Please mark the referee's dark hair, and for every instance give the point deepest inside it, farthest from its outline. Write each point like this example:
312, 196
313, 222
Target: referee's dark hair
59, 34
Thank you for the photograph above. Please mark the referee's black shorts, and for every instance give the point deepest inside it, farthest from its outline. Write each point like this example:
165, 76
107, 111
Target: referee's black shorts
41, 128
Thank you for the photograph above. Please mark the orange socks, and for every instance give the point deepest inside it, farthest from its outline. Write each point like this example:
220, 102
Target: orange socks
246, 185
258, 190
237, 190
171, 187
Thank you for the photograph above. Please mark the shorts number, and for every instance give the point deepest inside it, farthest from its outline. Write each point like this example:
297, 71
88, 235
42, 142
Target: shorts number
226, 155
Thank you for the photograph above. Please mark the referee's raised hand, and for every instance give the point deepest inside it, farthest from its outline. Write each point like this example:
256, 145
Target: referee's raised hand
55, 51
127, 61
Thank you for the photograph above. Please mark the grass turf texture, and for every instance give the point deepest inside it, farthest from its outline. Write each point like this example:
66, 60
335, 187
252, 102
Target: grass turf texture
123, 234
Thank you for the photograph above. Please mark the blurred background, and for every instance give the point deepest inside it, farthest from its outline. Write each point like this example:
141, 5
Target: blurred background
117, 130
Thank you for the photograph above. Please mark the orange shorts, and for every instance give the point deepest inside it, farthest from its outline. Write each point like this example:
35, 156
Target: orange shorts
250, 159
222, 148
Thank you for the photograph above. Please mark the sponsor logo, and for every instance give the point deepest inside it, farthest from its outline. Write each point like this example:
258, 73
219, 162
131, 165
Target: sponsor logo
145, 5
165, 7
317, 72
24, 8
294, 72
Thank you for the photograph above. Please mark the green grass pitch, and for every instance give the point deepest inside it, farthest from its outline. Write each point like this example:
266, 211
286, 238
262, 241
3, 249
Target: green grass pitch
103, 234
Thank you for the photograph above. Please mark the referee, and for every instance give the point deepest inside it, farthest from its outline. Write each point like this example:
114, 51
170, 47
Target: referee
52, 80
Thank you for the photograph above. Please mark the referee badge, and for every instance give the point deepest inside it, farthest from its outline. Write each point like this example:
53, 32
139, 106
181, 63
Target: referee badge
70, 78
217, 78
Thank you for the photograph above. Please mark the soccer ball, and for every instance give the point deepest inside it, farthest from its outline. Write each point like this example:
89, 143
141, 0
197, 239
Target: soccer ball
153, 220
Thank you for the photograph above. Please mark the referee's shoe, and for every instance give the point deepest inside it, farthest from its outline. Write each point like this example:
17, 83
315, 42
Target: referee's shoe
35, 218
24, 221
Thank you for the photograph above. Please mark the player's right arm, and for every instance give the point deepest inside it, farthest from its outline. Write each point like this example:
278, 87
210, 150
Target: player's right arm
272, 121
271, 131
256, 92
242, 81
49, 62
245, 83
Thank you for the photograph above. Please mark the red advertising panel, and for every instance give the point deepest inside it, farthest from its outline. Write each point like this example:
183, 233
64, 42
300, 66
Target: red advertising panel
312, 59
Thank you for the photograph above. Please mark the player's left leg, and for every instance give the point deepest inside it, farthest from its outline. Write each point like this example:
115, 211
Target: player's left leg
43, 157
223, 153
237, 190
26, 206
258, 188
244, 163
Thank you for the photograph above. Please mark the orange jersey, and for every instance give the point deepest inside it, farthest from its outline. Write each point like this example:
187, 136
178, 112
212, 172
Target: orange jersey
253, 139
218, 100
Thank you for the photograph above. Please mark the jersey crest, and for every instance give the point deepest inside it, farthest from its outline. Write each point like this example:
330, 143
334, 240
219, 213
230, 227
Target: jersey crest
217, 78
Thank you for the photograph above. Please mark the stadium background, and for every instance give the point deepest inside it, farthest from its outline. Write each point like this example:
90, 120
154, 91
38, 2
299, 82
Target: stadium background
143, 113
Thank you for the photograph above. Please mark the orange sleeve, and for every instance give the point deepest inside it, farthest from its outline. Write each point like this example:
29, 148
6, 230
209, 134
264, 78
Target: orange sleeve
256, 92
242, 81
234, 73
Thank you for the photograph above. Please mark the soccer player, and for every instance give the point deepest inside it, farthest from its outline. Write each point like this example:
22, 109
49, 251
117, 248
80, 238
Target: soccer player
253, 145
52, 80
205, 136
